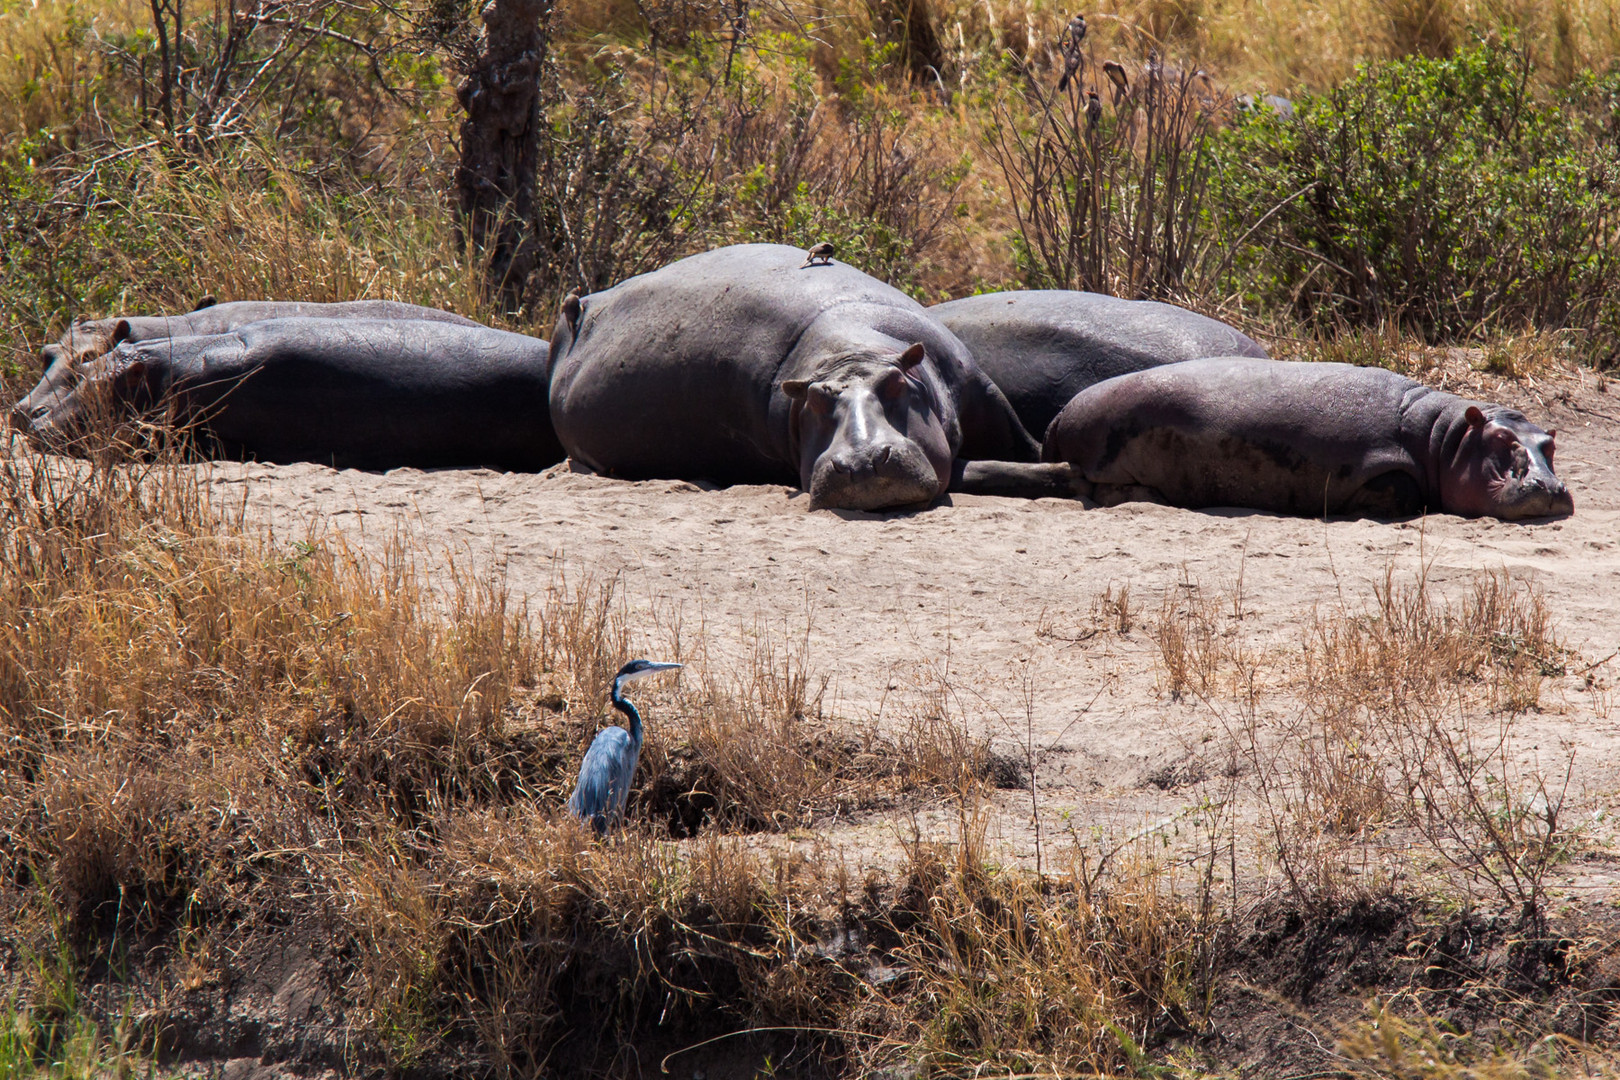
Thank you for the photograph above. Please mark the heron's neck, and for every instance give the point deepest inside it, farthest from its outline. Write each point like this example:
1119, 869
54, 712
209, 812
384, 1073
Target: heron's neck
623, 705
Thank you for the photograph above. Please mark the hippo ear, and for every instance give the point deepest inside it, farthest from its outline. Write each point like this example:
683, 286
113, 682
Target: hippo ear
49, 355
132, 372
207, 301
913, 356
121, 331
796, 388
1474, 417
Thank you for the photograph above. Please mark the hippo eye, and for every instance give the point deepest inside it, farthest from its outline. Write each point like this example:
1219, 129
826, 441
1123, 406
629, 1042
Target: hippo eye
1547, 452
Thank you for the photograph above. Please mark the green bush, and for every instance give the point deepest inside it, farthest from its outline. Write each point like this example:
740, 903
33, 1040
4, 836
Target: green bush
1440, 194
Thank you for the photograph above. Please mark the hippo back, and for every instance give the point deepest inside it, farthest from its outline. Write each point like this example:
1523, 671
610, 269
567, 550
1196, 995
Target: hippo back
94, 337
1042, 347
88, 339
1296, 438
365, 393
678, 372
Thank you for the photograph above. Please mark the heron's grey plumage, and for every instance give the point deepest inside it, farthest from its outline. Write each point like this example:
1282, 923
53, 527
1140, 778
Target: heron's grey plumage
610, 763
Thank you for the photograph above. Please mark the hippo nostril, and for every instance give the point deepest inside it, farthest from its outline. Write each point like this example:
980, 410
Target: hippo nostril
883, 455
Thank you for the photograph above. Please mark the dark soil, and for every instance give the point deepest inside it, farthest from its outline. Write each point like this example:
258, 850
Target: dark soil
1292, 978
277, 997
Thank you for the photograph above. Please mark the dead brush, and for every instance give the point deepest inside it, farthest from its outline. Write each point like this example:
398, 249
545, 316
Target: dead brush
144, 632
1111, 611
1388, 1044
541, 938
1041, 975
1112, 200
1409, 645
1390, 745
753, 750
1193, 643
124, 844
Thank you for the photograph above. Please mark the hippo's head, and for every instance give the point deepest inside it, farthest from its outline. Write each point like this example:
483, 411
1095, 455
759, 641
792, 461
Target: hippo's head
91, 401
1503, 468
61, 364
871, 432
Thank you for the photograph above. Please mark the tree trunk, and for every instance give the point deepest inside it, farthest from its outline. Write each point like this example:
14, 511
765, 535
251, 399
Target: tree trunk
500, 142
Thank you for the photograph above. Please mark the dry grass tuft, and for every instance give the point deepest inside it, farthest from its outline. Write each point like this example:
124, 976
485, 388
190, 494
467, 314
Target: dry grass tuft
1386, 1044
755, 751
1401, 755
203, 726
1047, 975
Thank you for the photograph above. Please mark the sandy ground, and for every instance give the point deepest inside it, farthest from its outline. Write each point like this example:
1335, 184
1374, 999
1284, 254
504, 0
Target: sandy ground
988, 596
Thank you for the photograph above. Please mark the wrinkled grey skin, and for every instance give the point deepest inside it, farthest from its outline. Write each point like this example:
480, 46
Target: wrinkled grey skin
1302, 438
1042, 347
87, 340
361, 393
741, 366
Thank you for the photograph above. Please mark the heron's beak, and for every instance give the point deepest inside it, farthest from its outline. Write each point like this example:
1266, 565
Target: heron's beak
653, 668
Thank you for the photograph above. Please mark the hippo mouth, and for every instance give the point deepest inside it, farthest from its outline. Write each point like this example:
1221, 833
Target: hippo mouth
1518, 500
889, 477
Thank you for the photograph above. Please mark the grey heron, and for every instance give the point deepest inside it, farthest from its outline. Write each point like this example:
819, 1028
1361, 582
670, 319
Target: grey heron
610, 763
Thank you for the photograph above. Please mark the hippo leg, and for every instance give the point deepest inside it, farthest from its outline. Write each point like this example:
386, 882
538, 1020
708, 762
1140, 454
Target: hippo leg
1390, 495
1018, 479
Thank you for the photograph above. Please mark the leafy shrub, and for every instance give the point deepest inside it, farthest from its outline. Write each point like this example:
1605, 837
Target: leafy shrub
1442, 194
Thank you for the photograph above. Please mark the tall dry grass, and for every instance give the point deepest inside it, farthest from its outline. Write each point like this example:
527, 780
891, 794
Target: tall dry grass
1384, 748
1070, 973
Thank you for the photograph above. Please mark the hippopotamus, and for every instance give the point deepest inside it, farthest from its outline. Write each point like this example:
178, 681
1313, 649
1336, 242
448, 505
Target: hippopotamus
362, 393
1044, 346
87, 340
1303, 438
743, 365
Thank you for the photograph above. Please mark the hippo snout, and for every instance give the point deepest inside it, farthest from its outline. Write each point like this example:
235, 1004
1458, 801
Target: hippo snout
873, 478
1537, 495
1555, 496
863, 465
24, 416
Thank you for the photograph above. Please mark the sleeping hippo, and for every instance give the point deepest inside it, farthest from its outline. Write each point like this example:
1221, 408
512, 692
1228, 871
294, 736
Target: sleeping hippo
1043, 347
88, 340
363, 393
743, 365
1303, 438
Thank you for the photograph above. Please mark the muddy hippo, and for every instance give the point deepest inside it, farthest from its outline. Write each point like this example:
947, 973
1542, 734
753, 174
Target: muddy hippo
90, 339
365, 393
1043, 347
742, 365
1303, 438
